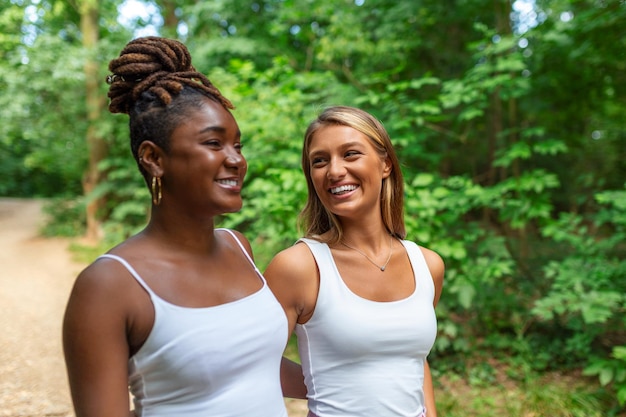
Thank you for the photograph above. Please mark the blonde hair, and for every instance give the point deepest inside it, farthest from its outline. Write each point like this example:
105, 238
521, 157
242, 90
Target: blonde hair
314, 219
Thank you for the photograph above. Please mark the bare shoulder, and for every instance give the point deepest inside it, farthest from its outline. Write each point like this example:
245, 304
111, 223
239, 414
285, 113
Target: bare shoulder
294, 279
243, 240
433, 259
99, 276
95, 338
103, 303
292, 264
437, 269
240, 236
103, 283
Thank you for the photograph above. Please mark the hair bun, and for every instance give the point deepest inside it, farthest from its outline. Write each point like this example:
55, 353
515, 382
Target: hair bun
159, 65
145, 56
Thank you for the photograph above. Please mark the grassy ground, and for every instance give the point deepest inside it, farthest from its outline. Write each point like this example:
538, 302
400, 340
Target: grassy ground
550, 395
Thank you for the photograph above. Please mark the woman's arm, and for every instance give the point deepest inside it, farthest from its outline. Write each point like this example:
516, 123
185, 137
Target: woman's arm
429, 392
291, 379
437, 270
95, 345
292, 277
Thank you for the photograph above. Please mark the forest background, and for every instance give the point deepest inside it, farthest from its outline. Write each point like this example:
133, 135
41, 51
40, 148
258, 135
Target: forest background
509, 118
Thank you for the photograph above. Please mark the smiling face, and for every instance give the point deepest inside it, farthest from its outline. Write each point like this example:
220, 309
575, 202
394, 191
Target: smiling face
204, 169
347, 171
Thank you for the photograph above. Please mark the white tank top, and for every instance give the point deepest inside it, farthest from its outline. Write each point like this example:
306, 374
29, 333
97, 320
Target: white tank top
221, 361
366, 358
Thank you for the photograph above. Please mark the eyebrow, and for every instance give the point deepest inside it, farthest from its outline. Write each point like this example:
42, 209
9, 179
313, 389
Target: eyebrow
351, 144
218, 129
343, 146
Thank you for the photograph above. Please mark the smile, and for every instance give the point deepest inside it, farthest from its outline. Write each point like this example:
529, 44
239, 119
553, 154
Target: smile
343, 189
230, 183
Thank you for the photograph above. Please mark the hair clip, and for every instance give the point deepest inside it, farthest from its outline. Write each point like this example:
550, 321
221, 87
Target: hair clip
113, 78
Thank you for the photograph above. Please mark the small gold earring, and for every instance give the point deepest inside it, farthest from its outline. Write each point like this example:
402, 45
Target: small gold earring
156, 191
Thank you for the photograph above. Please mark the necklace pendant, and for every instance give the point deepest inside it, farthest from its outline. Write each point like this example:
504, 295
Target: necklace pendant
381, 267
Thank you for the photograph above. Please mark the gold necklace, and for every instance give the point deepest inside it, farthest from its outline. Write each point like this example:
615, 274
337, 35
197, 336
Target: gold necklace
381, 267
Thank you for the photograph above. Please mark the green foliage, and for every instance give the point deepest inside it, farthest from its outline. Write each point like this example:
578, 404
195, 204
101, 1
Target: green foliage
587, 289
66, 217
127, 197
611, 371
41, 155
512, 145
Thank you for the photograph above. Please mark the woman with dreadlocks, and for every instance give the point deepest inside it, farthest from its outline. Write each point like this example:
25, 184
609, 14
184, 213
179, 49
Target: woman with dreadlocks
178, 312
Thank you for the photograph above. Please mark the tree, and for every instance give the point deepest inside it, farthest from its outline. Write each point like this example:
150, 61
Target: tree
96, 144
510, 128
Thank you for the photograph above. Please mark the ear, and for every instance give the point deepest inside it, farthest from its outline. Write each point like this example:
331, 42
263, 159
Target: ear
151, 158
387, 167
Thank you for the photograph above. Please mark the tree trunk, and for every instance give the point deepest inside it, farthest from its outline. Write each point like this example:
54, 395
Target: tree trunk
96, 145
170, 19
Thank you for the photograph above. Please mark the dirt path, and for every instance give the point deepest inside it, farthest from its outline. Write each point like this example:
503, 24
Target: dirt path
36, 276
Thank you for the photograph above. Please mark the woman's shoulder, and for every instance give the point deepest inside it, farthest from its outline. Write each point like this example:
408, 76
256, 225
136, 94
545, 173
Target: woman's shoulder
102, 296
430, 255
104, 277
107, 276
437, 268
294, 255
293, 263
292, 275
240, 238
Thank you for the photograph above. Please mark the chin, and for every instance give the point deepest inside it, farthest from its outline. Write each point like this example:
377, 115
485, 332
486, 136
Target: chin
233, 209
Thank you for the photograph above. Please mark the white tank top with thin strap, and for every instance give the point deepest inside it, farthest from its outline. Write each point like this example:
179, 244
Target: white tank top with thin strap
220, 361
366, 358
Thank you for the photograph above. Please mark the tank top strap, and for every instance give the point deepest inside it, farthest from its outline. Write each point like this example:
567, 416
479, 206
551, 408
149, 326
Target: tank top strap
243, 249
320, 251
423, 278
130, 269
330, 279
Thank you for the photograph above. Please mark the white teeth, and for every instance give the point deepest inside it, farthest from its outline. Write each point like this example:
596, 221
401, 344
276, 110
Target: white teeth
228, 182
343, 189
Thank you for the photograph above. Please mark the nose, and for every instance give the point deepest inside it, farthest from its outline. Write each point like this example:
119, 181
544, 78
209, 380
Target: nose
336, 169
234, 158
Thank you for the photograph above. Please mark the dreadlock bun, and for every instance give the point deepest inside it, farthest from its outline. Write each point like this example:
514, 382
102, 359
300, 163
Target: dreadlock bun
158, 66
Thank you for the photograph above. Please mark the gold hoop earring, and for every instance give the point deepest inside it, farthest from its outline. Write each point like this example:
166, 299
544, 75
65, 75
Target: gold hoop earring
156, 191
